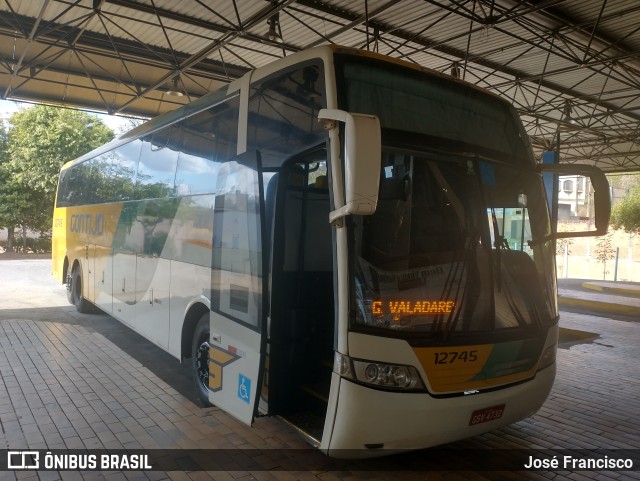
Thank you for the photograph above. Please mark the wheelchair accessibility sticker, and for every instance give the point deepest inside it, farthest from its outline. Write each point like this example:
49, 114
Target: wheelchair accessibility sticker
244, 388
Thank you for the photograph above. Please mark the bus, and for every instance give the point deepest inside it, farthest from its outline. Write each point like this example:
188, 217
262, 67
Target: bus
355, 244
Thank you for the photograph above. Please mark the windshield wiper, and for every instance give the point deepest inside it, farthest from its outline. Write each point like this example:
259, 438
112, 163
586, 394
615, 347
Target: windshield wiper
500, 242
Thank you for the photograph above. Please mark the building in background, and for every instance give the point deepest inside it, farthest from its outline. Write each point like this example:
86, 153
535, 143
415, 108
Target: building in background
573, 197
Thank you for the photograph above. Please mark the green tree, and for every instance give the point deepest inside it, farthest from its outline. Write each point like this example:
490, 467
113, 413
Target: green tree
626, 214
40, 139
8, 219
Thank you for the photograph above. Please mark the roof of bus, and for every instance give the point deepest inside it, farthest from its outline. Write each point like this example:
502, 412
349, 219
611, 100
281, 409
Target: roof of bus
219, 95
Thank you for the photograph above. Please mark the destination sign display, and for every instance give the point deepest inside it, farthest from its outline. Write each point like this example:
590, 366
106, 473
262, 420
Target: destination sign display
398, 308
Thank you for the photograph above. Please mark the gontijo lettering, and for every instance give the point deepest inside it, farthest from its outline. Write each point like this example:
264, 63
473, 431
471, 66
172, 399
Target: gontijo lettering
87, 224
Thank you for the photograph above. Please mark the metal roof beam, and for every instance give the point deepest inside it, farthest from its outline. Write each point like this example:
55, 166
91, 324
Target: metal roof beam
103, 45
214, 46
197, 22
30, 38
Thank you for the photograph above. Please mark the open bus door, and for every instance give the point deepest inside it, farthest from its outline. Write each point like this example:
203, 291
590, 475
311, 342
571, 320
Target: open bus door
238, 316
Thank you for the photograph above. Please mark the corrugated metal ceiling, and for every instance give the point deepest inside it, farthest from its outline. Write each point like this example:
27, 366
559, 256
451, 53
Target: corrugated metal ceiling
571, 67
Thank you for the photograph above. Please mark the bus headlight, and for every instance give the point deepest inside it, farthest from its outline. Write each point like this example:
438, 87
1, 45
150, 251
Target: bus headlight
387, 376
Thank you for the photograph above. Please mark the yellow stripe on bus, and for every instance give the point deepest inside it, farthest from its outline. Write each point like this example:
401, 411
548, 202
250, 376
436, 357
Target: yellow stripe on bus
464, 368
218, 359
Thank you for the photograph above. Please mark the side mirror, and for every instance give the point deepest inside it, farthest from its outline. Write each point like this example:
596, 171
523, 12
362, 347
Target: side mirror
601, 201
363, 153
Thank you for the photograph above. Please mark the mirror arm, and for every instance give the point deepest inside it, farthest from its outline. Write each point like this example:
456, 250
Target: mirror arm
362, 152
329, 119
335, 216
338, 115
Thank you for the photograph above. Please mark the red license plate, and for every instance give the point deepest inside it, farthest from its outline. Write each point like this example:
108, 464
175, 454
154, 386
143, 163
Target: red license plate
486, 414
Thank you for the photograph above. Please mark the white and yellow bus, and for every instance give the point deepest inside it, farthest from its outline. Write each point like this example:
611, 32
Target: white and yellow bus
355, 244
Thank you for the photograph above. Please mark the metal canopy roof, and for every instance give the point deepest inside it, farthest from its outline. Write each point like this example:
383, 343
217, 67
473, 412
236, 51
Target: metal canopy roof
571, 67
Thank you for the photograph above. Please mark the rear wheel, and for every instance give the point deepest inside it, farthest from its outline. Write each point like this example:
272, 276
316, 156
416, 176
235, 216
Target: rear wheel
200, 359
82, 305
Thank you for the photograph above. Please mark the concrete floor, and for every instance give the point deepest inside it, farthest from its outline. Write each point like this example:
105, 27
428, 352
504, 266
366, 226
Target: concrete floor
85, 381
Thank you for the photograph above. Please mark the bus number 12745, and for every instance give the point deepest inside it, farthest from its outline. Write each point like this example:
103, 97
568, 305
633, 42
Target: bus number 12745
453, 356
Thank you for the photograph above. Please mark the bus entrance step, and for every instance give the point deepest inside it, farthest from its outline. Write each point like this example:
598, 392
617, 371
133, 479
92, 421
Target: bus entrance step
318, 390
310, 422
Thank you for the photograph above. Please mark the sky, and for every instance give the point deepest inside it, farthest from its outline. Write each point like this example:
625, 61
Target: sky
117, 124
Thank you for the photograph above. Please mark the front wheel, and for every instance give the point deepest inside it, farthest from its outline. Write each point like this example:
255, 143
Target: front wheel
200, 360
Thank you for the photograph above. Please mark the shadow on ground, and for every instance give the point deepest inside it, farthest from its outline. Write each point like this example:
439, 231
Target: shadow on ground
158, 361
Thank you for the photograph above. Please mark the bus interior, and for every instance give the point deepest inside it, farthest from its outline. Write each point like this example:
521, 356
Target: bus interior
301, 331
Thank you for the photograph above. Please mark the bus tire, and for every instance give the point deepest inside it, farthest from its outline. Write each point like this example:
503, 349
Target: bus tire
69, 285
200, 360
82, 305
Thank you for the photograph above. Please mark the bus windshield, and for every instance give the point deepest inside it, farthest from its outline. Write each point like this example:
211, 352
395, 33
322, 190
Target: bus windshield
458, 245
452, 249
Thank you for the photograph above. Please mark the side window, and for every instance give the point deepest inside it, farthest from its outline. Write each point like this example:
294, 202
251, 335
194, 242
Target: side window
237, 243
99, 180
208, 139
124, 166
157, 166
78, 184
102, 171
567, 186
62, 197
283, 113
81, 184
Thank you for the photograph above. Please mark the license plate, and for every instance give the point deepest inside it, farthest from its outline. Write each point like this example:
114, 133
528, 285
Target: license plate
486, 414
